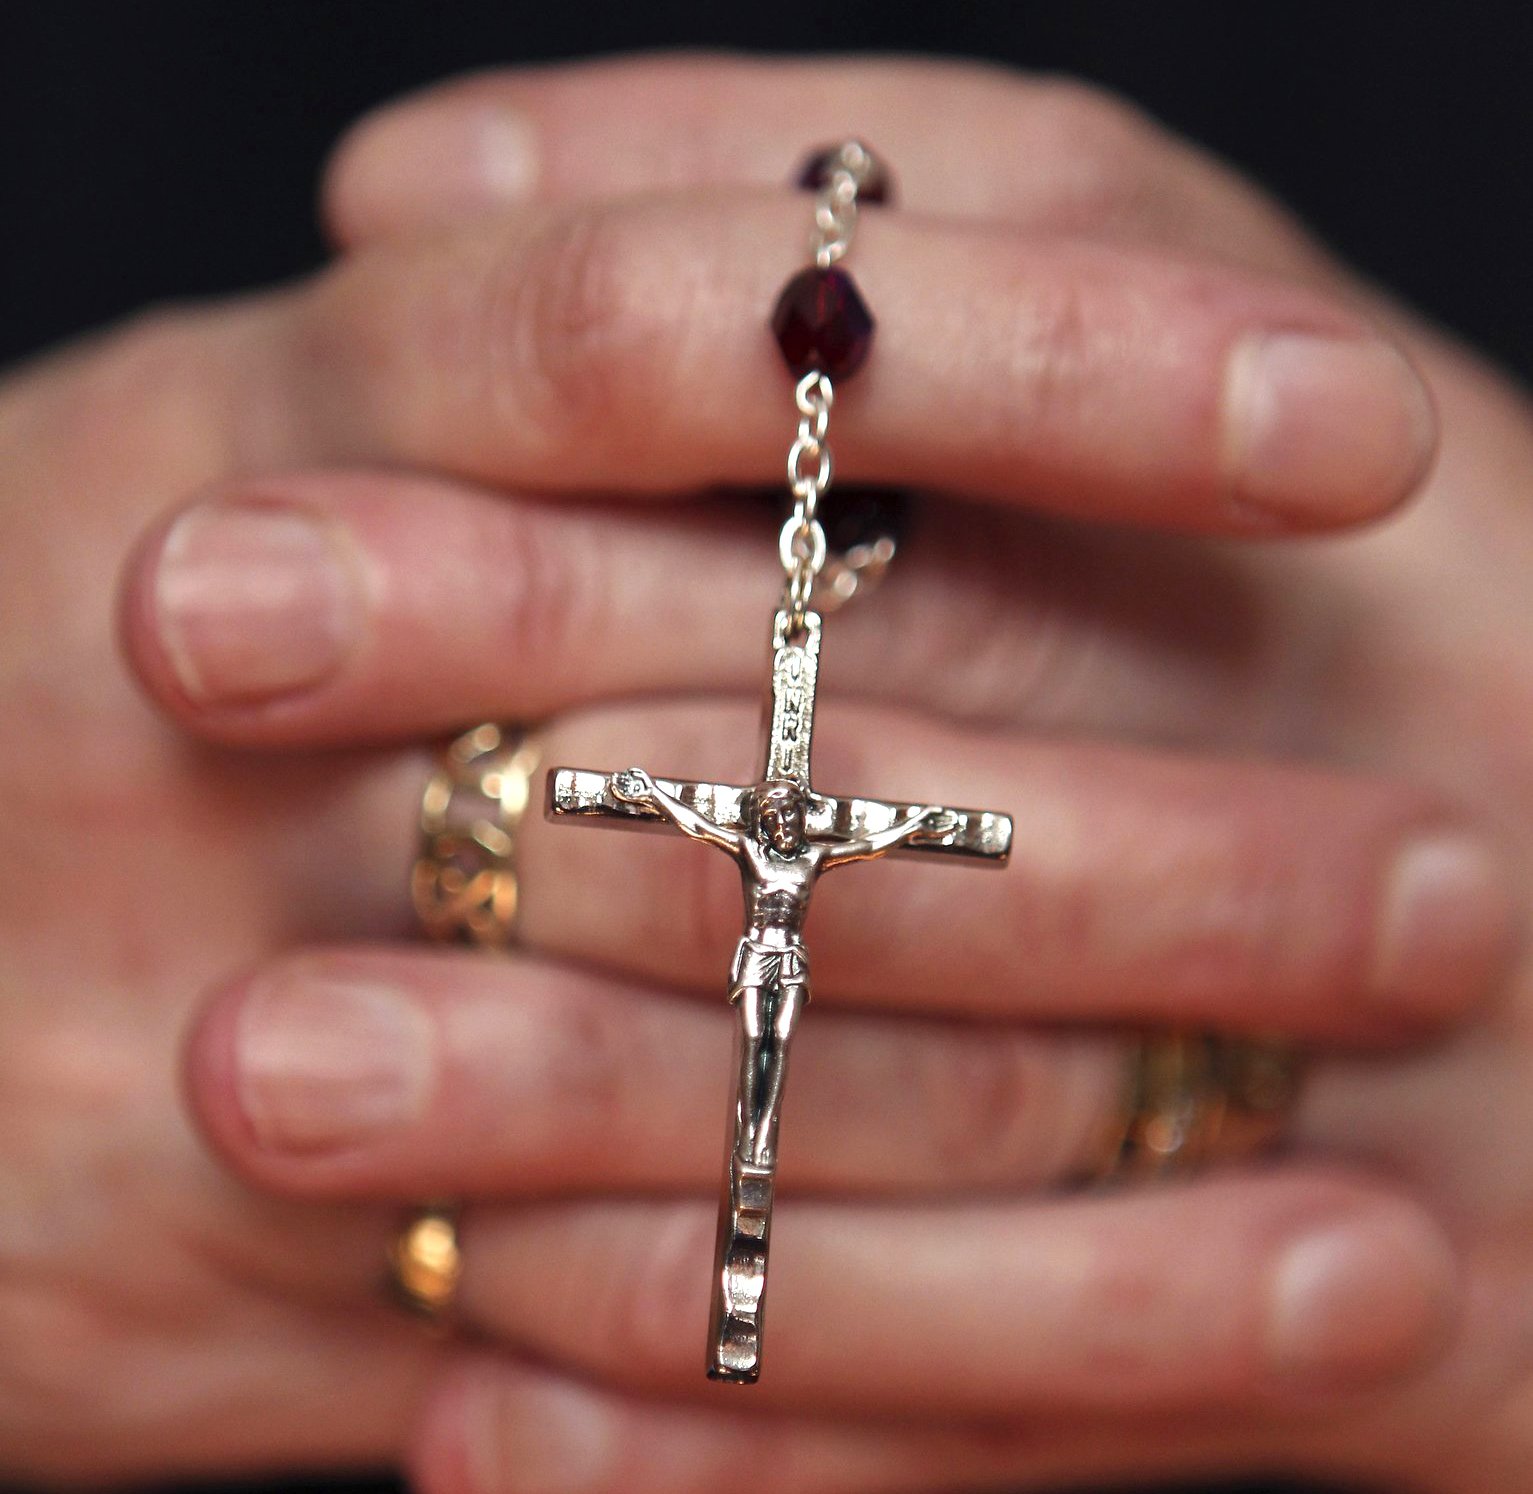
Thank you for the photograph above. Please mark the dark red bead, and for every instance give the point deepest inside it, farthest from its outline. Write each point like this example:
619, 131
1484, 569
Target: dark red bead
821, 166
822, 323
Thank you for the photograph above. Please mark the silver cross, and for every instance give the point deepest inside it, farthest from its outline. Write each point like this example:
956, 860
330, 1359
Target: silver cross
783, 836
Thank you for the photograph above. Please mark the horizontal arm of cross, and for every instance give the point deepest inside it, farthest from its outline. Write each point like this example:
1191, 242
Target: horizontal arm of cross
974, 835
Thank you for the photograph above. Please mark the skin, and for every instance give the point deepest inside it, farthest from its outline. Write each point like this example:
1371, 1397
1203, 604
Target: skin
1218, 732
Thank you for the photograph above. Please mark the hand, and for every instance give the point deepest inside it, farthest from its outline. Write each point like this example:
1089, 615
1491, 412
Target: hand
1148, 329
633, 786
1195, 871
157, 1321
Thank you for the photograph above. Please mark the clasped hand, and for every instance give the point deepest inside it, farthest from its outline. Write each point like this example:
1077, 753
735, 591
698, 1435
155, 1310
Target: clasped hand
1221, 588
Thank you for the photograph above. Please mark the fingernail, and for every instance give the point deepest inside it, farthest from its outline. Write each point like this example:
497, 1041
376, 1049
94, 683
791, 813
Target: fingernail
1444, 923
1356, 1303
253, 601
447, 155
535, 1437
325, 1061
1324, 429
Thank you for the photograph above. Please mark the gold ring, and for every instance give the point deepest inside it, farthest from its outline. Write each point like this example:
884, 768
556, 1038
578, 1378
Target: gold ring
464, 886
464, 883
1191, 1099
425, 1262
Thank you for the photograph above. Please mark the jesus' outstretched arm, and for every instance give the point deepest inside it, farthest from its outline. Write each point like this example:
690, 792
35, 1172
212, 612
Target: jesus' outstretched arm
932, 818
637, 787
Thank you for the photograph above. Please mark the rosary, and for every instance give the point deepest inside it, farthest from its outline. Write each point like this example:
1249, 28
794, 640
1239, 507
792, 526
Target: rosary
780, 832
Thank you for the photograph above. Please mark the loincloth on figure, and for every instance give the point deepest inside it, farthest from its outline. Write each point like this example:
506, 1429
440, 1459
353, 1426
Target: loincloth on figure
768, 967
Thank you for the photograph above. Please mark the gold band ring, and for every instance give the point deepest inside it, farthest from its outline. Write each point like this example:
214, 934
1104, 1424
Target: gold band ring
464, 886
464, 883
425, 1262
1191, 1099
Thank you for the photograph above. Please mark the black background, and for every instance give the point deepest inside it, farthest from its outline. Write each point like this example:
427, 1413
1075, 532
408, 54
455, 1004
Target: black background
152, 149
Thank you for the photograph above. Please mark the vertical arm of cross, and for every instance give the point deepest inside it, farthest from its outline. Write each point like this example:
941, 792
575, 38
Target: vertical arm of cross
790, 718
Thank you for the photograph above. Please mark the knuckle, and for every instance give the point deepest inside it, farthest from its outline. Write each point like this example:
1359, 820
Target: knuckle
1051, 356
982, 1103
1254, 922
587, 1062
1103, 151
553, 598
978, 1100
1061, 347
1027, 637
1260, 916
576, 338
1086, 120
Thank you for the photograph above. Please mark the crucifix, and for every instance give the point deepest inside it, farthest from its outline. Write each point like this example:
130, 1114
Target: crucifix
784, 836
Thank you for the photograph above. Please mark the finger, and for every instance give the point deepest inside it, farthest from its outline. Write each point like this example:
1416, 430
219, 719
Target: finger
963, 139
339, 607
623, 347
403, 1074
1141, 887
346, 606
145, 1342
1425, 1115
223, 623
1237, 1293
494, 1424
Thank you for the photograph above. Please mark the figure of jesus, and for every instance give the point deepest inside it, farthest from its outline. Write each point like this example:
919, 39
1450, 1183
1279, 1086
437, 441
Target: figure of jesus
769, 982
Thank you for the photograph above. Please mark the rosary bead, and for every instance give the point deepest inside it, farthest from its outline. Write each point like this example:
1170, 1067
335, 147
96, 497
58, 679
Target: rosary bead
822, 323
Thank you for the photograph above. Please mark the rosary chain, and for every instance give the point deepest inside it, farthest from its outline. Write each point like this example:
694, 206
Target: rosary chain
835, 208
802, 546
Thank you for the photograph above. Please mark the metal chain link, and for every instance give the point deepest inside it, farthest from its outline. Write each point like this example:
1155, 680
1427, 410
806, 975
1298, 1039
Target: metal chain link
835, 208
802, 546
